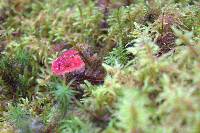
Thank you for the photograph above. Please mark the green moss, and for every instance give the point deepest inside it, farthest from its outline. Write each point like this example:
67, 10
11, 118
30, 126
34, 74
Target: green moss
156, 90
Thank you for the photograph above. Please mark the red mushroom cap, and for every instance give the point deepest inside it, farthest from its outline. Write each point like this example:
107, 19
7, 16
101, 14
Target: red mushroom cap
69, 61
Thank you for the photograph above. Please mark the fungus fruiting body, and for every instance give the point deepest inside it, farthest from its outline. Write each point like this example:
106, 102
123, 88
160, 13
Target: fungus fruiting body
79, 66
69, 62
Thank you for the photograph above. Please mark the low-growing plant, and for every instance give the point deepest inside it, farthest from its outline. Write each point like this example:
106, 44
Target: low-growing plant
74, 124
19, 117
149, 50
63, 96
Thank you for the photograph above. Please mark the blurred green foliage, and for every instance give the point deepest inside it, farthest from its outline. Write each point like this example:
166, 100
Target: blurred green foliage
146, 89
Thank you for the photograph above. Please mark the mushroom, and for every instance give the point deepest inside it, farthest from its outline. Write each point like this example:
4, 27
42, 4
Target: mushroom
69, 62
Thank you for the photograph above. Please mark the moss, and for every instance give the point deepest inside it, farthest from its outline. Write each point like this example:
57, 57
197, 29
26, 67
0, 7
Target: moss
150, 51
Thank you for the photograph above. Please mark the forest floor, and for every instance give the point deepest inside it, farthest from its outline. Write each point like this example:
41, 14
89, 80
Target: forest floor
99, 66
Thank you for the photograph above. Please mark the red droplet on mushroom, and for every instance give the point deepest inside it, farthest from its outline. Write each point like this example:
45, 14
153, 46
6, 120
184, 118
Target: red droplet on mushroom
69, 62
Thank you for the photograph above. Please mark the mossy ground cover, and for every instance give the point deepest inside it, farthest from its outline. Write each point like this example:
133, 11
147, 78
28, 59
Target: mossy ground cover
142, 66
